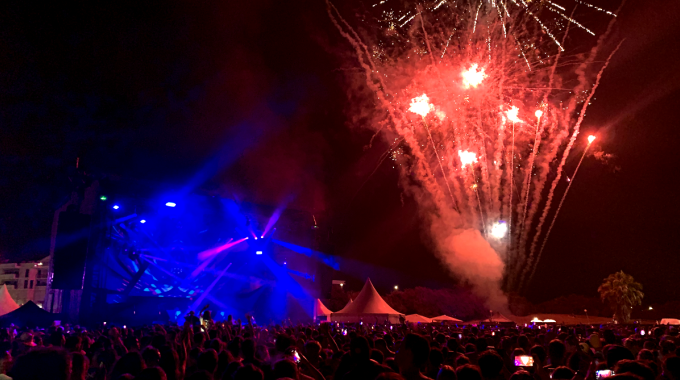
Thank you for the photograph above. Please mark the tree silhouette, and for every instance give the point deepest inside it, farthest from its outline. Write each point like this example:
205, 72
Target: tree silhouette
621, 292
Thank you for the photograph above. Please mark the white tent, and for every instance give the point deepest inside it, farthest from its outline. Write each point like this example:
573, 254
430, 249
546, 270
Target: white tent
368, 307
446, 318
7, 304
670, 321
321, 311
417, 318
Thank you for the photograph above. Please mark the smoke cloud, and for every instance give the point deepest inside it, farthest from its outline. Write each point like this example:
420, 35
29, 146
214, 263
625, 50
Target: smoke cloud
467, 254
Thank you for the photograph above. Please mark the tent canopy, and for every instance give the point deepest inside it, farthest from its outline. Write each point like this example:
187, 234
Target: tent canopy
445, 318
670, 321
495, 319
417, 318
320, 310
30, 315
368, 306
7, 304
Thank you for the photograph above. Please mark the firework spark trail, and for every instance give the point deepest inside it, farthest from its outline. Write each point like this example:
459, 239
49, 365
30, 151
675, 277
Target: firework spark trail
557, 212
547, 31
524, 201
597, 8
525, 225
439, 161
476, 16
512, 174
456, 183
382, 159
551, 194
571, 20
500, 16
498, 173
539, 184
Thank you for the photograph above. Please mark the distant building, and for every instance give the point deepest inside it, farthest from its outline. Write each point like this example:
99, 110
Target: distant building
26, 281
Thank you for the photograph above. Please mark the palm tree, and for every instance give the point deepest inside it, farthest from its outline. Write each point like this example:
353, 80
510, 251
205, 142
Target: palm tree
621, 292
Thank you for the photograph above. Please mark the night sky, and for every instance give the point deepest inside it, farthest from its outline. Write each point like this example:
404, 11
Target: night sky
248, 99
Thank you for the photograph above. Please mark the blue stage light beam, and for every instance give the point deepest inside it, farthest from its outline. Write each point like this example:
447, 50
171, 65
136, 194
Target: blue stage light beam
284, 280
326, 259
273, 219
240, 138
207, 291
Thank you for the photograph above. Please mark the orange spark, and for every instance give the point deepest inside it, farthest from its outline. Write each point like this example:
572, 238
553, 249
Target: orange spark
512, 114
472, 77
421, 105
467, 158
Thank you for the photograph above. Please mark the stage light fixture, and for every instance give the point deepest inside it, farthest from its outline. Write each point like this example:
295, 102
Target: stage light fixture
258, 252
116, 207
103, 198
142, 221
171, 204
285, 263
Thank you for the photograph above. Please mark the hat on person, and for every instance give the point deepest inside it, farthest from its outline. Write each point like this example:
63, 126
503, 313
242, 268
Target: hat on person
584, 347
27, 339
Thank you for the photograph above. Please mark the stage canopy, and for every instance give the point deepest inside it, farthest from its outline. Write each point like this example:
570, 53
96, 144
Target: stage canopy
7, 303
417, 318
368, 307
446, 318
320, 310
29, 315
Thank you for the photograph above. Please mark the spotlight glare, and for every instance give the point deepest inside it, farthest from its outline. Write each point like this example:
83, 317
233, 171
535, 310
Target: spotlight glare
171, 204
142, 221
498, 230
116, 207
258, 252
591, 138
103, 198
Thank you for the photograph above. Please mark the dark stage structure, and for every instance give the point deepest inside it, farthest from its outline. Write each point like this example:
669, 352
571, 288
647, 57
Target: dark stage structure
126, 256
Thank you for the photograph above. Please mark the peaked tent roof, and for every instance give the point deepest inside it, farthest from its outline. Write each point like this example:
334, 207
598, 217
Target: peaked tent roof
495, 318
320, 309
445, 318
30, 315
417, 318
7, 303
499, 318
368, 302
